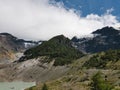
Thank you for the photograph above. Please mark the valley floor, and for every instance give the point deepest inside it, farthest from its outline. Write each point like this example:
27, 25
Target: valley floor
68, 77
79, 78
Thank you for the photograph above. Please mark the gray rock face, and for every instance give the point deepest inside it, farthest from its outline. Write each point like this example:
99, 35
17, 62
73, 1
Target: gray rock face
32, 70
10, 45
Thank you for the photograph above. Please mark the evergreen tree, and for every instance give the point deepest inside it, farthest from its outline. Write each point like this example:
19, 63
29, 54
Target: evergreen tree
98, 83
44, 87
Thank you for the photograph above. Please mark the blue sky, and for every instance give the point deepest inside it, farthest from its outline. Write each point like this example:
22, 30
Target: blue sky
93, 6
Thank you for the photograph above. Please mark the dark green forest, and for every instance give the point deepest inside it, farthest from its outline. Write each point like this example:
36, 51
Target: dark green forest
59, 48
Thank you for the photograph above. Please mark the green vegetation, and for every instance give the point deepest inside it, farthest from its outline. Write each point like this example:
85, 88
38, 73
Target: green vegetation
58, 48
78, 78
98, 83
32, 88
44, 87
108, 59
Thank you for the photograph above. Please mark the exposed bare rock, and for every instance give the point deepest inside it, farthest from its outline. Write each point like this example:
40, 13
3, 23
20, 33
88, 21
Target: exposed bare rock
32, 70
11, 47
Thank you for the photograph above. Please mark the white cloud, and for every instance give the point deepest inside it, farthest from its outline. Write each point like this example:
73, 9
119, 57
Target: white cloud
110, 10
37, 19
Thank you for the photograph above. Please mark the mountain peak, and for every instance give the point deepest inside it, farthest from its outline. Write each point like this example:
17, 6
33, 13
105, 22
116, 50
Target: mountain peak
59, 37
104, 39
8, 35
5, 34
107, 31
59, 48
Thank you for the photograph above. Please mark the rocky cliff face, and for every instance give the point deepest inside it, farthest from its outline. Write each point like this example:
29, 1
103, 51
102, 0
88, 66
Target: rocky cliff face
102, 40
10, 45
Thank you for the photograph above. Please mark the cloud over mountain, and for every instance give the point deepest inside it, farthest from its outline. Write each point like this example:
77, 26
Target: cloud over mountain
38, 19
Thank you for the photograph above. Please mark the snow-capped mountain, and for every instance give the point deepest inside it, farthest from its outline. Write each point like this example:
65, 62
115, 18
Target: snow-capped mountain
104, 39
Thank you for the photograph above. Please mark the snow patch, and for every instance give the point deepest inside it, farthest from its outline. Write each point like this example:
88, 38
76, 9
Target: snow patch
27, 45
